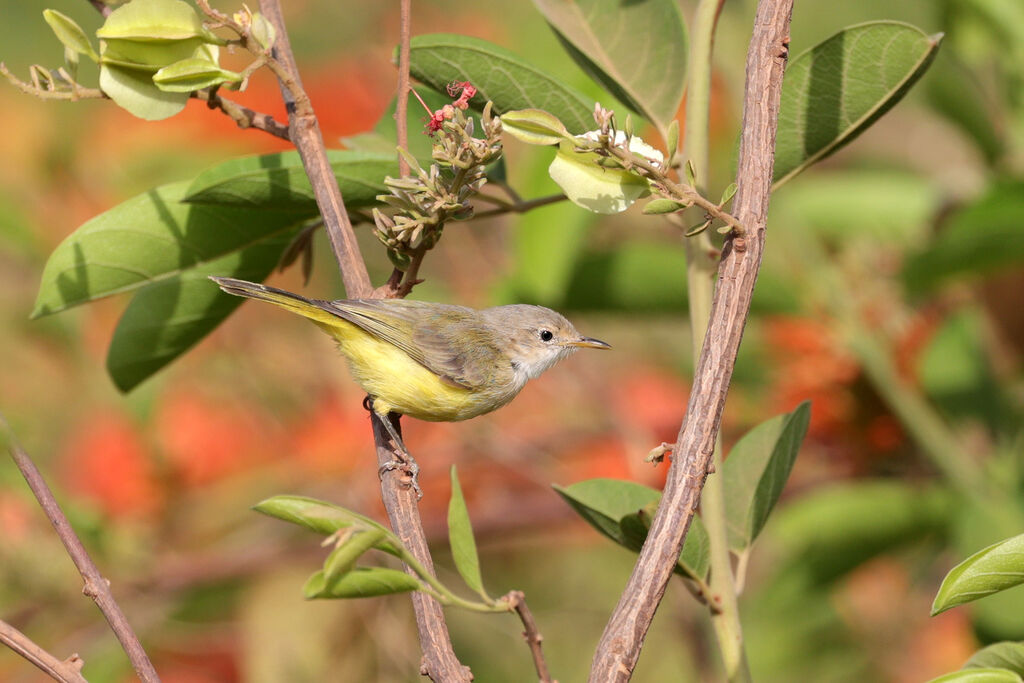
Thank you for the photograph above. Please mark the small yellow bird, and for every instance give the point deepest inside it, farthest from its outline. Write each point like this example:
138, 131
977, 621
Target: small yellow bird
431, 361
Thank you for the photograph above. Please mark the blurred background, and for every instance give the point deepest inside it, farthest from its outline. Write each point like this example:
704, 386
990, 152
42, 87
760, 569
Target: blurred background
890, 297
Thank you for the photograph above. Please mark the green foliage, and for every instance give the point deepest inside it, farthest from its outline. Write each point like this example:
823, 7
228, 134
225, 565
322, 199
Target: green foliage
622, 510
990, 570
460, 538
837, 528
534, 126
499, 76
833, 92
362, 582
70, 33
756, 471
983, 237
1005, 655
278, 181
637, 51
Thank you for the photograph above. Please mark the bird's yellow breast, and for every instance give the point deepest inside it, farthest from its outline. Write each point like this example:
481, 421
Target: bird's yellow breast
400, 384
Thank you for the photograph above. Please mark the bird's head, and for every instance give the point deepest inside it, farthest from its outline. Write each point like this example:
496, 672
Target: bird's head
536, 337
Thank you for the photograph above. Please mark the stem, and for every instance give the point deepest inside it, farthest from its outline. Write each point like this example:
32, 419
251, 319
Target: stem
304, 132
67, 671
402, 96
722, 603
439, 660
623, 638
96, 587
517, 599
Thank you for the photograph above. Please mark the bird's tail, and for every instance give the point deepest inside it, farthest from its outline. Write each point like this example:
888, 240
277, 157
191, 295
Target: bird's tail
316, 311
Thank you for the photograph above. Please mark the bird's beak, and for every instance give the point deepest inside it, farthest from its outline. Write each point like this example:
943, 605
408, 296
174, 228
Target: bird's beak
588, 343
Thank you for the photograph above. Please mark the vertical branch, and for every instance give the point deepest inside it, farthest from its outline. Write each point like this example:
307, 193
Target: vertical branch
439, 660
624, 634
402, 96
700, 267
96, 587
532, 634
304, 132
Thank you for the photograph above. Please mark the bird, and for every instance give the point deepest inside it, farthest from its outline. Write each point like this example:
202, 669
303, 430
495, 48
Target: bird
432, 361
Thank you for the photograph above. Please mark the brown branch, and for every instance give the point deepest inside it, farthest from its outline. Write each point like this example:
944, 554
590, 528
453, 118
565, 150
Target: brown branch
96, 587
439, 660
517, 600
400, 500
242, 115
623, 637
402, 96
103, 8
304, 132
68, 670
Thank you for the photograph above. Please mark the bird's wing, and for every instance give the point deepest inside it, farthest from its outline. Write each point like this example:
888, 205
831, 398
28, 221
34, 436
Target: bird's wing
447, 340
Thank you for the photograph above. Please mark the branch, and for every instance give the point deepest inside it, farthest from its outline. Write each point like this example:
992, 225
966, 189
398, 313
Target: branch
517, 600
68, 670
242, 115
439, 660
620, 645
402, 96
304, 132
96, 587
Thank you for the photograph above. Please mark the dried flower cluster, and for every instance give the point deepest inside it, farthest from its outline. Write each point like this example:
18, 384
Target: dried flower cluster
425, 200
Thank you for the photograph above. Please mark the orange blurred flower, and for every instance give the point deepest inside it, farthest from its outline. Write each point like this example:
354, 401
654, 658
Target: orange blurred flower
104, 459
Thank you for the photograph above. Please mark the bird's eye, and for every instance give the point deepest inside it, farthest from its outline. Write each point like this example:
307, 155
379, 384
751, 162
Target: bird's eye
546, 335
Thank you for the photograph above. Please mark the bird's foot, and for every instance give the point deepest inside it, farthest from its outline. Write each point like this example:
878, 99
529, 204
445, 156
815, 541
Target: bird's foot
409, 468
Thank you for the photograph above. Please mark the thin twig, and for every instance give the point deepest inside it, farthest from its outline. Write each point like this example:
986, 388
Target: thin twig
242, 115
304, 132
68, 670
620, 645
517, 600
521, 206
96, 587
402, 96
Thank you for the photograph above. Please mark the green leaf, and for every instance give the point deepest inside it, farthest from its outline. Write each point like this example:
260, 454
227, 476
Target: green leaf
362, 582
983, 237
660, 206
499, 76
534, 126
621, 510
151, 237
316, 515
343, 558
756, 471
460, 537
838, 88
979, 676
278, 181
166, 318
135, 92
1006, 655
995, 568
636, 50
592, 186
70, 33
193, 74
154, 21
